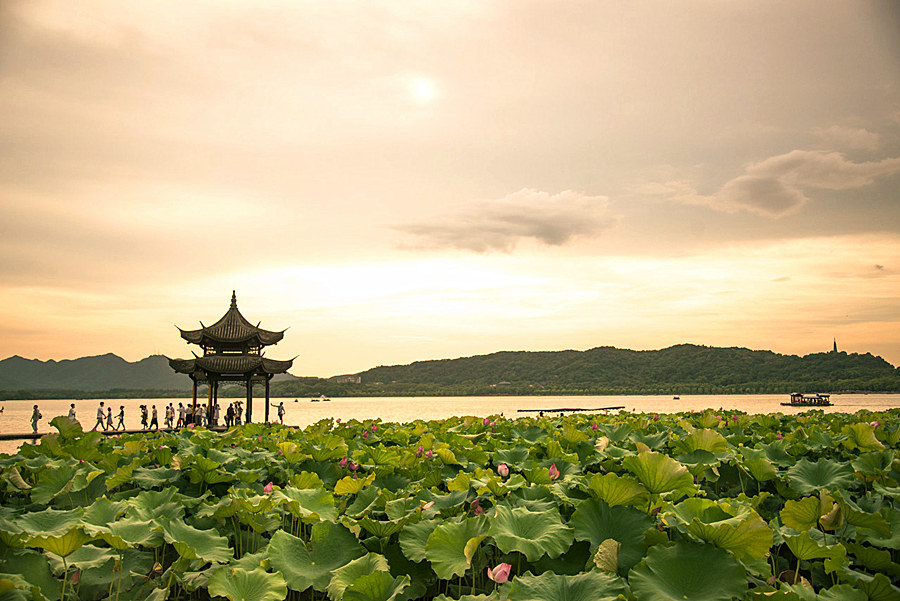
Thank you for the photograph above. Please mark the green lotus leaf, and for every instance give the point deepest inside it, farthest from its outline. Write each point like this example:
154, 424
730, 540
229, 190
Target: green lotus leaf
14, 477
513, 458
776, 452
414, 537
50, 521
306, 480
99, 514
450, 546
11, 533
377, 586
192, 543
156, 477
308, 504
876, 588
861, 436
802, 514
702, 439
238, 584
806, 548
531, 533
130, 533
13, 587
660, 473
857, 516
873, 465
734, 527
684, 571
382, 528
589, 586
607, 556
876, 560
618, 490
34, 567
874, 533
63, 543
808, 478
153, 504
757, 464
331, 547
351, 486
52, 482
595, 521
346, 575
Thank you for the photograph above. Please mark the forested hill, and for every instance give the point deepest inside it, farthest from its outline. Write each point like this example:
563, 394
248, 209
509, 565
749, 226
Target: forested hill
682, 369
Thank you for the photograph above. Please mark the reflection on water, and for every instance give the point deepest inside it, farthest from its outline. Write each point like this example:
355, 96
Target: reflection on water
16, 415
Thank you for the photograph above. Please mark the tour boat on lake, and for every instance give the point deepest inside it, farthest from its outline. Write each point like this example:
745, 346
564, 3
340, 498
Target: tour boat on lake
809, 400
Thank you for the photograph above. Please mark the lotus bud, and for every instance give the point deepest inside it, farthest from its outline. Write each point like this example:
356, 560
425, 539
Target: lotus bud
655, 416
353, 466
595, 427
503, 470
554, 473
366, 434
779, 436
420, 450
338, 420
343, 462
374, 428
478, 510
874, 424
500, 574
486, 421
268, 488
427, 505
429, 454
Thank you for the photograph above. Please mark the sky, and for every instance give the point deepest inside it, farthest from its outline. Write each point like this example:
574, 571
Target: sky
401, 181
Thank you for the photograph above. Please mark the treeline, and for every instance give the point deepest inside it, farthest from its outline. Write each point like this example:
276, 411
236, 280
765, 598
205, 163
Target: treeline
683, 369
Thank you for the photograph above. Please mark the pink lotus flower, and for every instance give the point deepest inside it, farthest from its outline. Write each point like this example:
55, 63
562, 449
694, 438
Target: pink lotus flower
420, 450
503, 470
268, 488
595, 427
280, 452
655, 416
374, 428
779, 436
477, 509
338, 420
486, 421
366, 434
500, 574
429, 454
352, 466
554, 473
343, 462
874, 424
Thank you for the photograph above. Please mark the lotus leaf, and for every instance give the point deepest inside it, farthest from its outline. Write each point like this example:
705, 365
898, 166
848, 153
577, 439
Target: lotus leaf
877, 560
351, 486
309, 504
345, 576
861, 436
152, 504
802, 514
595, 521
806, 548
873, 465
377, 586
700, 440
238, 584
618, 490
683, 572
589, 586
757, 464
607, 556
34, 567
734, 527
192, 543
331, 546
531, 533
451, 545
876, 588
873, 533
381, 528
51, 483
414, 537
660, 473
808, 477
85, 557
150, 478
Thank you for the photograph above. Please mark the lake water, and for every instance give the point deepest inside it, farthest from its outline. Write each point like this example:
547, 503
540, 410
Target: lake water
16, 415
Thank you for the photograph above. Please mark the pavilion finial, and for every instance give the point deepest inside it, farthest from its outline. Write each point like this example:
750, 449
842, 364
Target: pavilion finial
233, 300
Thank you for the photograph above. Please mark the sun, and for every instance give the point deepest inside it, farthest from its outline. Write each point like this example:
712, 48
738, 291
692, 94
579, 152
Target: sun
423, 90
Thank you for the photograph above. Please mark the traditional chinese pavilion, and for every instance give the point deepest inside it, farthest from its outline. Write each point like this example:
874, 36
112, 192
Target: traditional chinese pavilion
232, 352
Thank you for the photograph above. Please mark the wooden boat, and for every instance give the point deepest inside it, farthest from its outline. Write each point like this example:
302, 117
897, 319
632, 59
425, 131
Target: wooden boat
809, 400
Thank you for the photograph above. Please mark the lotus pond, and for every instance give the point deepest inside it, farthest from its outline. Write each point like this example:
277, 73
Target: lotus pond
701, 506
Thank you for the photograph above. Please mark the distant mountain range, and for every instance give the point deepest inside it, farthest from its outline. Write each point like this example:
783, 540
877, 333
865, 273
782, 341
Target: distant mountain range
681, 369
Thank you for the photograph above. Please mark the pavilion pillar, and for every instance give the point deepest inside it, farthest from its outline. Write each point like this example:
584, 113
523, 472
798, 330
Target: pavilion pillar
212, 385
194, 394
267, 400
249, 399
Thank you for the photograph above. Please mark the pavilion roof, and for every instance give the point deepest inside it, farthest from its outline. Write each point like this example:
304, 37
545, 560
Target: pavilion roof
232, 328
231, 364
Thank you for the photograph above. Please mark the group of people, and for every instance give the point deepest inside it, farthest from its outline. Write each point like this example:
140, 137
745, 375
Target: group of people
187, 414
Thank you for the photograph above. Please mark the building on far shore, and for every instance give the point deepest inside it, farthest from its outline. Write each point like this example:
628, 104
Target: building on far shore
232, 352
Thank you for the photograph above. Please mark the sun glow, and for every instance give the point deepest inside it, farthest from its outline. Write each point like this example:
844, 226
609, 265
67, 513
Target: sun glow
423, 89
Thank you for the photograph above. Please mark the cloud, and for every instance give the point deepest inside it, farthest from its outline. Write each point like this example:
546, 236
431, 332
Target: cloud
849, 137
775, 186
499, 224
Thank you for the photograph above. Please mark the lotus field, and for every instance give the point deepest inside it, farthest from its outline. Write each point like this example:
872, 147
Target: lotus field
701, 506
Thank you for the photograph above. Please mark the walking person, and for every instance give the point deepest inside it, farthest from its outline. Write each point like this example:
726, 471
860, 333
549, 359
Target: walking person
154, 423
170, 416
35, 416
109, 424
121, 417
100, 417
143, 417
72, 412
181, 413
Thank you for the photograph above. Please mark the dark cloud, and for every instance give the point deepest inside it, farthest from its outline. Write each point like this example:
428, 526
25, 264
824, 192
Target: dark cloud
499, 224
775, 187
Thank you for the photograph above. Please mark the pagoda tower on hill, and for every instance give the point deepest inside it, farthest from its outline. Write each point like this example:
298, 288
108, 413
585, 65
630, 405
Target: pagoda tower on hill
232, 352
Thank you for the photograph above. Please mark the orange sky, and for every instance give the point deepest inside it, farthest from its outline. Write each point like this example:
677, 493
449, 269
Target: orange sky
400, 181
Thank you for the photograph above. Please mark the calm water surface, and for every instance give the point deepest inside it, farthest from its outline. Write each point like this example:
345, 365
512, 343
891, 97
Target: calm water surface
16, 415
